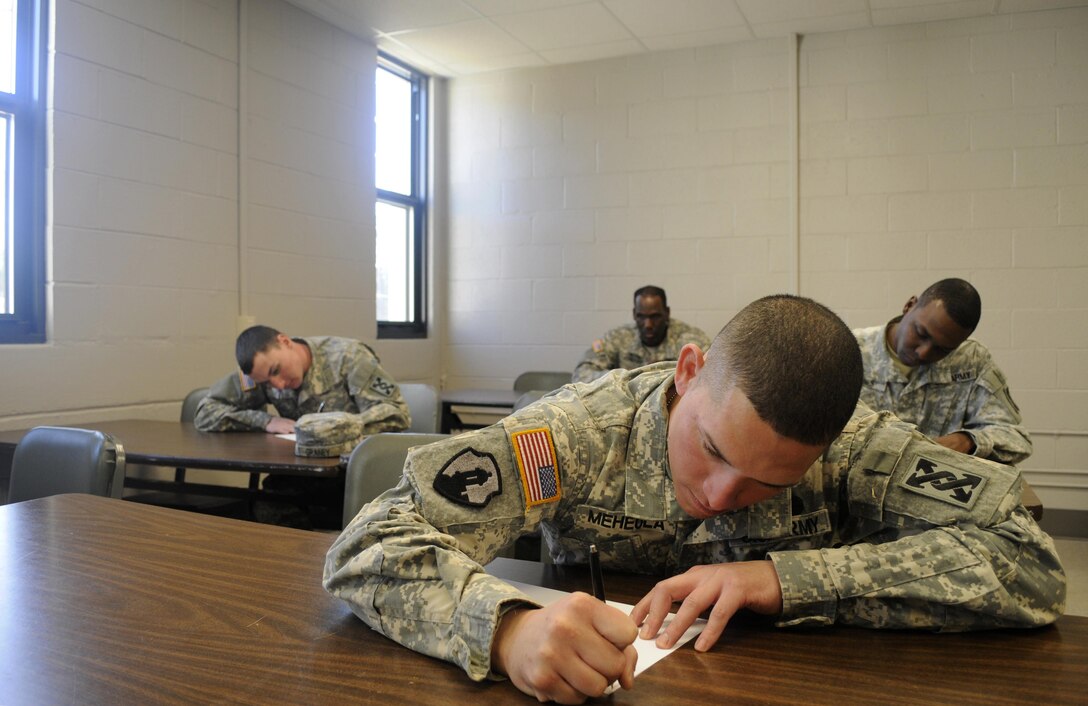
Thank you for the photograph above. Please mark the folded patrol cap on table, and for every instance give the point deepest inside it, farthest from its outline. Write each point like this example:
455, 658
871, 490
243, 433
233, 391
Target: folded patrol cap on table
327, 434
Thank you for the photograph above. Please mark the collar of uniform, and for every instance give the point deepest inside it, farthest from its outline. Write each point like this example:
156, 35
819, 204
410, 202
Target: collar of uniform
311, 384
770, 518
650, 493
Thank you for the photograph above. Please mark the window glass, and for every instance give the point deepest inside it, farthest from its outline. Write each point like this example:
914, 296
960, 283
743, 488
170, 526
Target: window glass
393, 259
393, 123
7, 262
8, 9
400, 212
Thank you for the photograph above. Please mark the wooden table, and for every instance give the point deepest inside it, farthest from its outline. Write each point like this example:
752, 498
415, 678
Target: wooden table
180, 445
106, 602
499, 401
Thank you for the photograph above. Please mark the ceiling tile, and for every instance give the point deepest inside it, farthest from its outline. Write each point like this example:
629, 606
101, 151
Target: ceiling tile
648, 18
396, 15
592, 52
723, 35
463, 41
494, 8
836, 23
563, 27
498, 63
789, 11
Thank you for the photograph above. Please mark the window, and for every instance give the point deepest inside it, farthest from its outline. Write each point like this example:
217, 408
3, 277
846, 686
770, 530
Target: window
22, 171
401, 209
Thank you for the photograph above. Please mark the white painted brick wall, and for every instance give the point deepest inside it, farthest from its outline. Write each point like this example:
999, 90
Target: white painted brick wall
144, 239
955, 148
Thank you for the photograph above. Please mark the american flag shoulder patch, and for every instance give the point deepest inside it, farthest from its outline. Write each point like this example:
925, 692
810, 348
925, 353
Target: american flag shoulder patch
246, 382
537, 465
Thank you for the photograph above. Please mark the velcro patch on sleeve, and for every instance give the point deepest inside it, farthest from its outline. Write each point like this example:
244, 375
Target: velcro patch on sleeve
471, 478
535, 454
941, 482
382, 386
246, 382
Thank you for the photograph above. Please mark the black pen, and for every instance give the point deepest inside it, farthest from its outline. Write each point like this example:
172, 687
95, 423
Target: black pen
595, 573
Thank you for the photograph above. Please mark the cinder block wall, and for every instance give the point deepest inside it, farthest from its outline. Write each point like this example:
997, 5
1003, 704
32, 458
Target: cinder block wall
930, 150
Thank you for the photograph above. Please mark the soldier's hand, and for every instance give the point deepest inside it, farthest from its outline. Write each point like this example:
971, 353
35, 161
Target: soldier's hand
726, 587
280, 425
567, 651
957, 441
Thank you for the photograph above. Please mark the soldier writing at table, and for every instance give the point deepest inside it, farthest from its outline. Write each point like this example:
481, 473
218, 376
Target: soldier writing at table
923, 367
747, 474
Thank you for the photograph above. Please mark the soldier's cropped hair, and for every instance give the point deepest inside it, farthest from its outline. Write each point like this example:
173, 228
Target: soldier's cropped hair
651, 291
961, 301
252, 341
795, 360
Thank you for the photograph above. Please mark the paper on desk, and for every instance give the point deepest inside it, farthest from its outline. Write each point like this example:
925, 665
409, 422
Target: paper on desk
648, 652
290, 436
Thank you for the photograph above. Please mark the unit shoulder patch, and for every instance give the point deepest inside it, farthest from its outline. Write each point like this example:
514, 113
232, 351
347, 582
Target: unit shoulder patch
382, 386
949, 485
537, 465
470, 478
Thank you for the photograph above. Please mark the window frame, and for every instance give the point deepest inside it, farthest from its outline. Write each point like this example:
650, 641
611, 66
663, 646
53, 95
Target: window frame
416, 201
26, 324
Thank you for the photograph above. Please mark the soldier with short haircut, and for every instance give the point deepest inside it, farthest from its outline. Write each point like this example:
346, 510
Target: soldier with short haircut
300, 376
652, 338
923, 367
751, 466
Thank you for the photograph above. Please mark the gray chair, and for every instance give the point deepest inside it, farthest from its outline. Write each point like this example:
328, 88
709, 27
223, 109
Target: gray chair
527, 398
376, 465
54, 460
422, 402
540, 380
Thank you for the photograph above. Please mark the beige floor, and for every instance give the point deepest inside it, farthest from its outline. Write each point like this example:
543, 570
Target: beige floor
1074, 555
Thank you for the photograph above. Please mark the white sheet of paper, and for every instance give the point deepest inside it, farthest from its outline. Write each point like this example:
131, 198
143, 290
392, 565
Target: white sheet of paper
290, 436
648, 652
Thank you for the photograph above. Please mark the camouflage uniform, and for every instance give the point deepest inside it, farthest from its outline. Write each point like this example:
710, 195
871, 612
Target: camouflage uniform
623, 348
964, 391
345, 375
887, 529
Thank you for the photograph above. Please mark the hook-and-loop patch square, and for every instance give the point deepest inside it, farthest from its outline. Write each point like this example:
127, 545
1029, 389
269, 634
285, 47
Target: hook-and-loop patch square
940, 482
535, 454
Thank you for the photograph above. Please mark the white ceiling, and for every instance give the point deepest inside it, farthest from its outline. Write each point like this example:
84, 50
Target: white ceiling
459, 37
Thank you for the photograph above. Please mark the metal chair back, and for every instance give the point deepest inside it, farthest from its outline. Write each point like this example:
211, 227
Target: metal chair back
54, 460
376, 465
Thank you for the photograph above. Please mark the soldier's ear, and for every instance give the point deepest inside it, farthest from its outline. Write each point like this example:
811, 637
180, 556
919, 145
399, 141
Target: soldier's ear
688, 364
910, 304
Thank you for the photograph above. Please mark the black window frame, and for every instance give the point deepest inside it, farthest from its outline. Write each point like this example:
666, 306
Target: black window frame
26, 323
416, 201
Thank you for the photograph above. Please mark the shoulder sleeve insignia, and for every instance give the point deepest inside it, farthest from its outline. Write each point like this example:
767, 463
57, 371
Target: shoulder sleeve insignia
382, 386
246, 382
949, 485
598, 345
539, 471
470, 478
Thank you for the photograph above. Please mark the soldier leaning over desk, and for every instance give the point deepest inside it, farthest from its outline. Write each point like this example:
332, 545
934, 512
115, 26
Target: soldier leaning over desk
923, 367
300, 376
653, 337
751, 466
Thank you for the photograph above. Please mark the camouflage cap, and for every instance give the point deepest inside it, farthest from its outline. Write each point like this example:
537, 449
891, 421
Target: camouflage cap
327, 434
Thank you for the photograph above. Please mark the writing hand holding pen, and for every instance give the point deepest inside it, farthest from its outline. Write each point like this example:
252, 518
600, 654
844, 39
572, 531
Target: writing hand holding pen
568, 650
